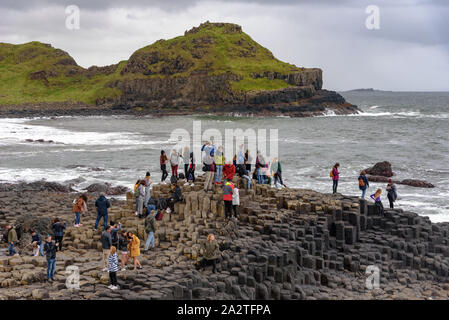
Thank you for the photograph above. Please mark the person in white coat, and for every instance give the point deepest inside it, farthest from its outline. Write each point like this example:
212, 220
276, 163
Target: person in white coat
235, 202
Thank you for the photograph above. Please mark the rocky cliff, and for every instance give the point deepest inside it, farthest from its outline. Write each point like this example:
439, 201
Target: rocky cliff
215, 67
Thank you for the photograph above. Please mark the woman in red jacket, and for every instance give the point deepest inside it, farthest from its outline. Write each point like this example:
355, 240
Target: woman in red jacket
229, 170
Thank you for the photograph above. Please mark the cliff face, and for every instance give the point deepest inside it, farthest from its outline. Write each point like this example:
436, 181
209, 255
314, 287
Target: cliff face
215, 66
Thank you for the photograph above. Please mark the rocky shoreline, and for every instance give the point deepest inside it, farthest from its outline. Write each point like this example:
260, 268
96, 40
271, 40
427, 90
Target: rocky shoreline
287, 244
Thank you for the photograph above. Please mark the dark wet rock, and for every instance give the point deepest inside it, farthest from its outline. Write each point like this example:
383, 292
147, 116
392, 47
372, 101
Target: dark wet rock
417, 183
35, 186
381, 169
107, 189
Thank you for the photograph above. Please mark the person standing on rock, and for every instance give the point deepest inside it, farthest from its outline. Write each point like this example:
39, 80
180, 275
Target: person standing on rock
140, 198
123, 243
260, 165
235, 202
134, 249
210, 253
335, 175
363, 183
150, 229
58, 230
106, 244
50, 253
208, 165
247, 161
114, 232
12, 240
219, 162
192, 166
36, 239
378, 202
113, 268
163, 162
174, 163
392, 194
147, 186
240, 159
79, 208
186, 158
228, 191
102, 204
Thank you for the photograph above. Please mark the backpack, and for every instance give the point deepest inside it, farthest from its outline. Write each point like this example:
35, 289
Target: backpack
163, 204
136, 193
361, 182
159, 215
18, 231
331, 174
173, 180
181, 176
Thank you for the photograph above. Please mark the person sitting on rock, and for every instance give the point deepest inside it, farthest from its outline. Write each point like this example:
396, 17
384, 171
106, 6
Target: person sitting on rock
58, 230
80, 208
229, 170
228, 191
210, 253
378, 202
102, 204
392, 194
150, 229
50, 252
106, 244
36, 240
134, 249
12, 240
176, 196
243, 173
123, 243
151, 205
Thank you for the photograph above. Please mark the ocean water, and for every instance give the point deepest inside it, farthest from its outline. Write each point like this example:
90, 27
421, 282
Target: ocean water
409, 129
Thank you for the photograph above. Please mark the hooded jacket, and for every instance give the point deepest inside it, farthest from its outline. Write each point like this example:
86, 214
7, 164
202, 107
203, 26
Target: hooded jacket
228, 171
102, 205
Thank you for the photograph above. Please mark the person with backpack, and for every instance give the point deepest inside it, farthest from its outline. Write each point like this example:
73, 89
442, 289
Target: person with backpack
208, 165
50, 253
134, 249
113, 268
186, 158
140, 199
219, 162
106, 244
102, 204
247, 161
228, 191
147, 186
163, 162
174, 162
123, 243
229, 171
150, 229
80, 208
151, 205
260, 165
243, 173
36, 239
58, 231
191, 173
363, 183
335, 175
176, 196
276, 172
392, 194
235, 202
378, 202
114, 232
210, 253
12, 240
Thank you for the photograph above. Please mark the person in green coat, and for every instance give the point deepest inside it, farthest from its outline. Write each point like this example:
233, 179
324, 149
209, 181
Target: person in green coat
210, 253
12, 240
150, 229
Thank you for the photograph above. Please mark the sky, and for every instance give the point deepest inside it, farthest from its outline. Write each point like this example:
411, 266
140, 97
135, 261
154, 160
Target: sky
408, 52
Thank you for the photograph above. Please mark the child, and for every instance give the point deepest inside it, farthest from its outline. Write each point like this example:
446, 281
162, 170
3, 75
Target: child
235, 201
378, 202
113, 268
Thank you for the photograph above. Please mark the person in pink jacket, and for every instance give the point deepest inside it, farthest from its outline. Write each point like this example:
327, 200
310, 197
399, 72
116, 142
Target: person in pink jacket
335, 175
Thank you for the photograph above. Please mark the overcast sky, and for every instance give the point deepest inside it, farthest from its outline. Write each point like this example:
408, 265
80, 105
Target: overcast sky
410, 51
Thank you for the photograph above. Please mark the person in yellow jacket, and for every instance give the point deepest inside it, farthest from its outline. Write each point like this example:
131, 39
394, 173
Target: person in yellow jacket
134, 249
219, 162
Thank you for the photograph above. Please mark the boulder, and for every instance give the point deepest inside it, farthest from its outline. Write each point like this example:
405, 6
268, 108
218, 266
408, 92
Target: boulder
417, 183
381, 169
106, 188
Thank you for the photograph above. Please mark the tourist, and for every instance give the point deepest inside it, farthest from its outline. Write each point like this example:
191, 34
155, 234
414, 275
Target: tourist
140, 198
235, 201
134, 249
80, 208
234, 160
243, 173
276, 172
186, 158
123, 243
176, 196
137, 194
58, 230
378, 202
151, 205
12, 240
208, 165
260, 164
174, 162
114, 232
247, 161
106, 244
240, 158
113, 268
392, 194
147, 186
102, 204
229, 171
36, 240
363, 183
219, 162
192, 166
335, 175
163, 161
150, 229
50, 252
228, 191
210, 253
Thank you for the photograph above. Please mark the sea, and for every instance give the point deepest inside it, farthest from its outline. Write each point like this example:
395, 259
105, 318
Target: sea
408, 129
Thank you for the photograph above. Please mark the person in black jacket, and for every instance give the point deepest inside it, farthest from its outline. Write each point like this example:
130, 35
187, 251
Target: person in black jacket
102, 204
37, 240
175, 197
115, 228
123, 242
106, 244
58, 229
50, 252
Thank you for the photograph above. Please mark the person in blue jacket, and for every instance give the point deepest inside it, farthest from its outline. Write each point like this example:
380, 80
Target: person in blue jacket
36, 238
102, 204
363, 183
58, 230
